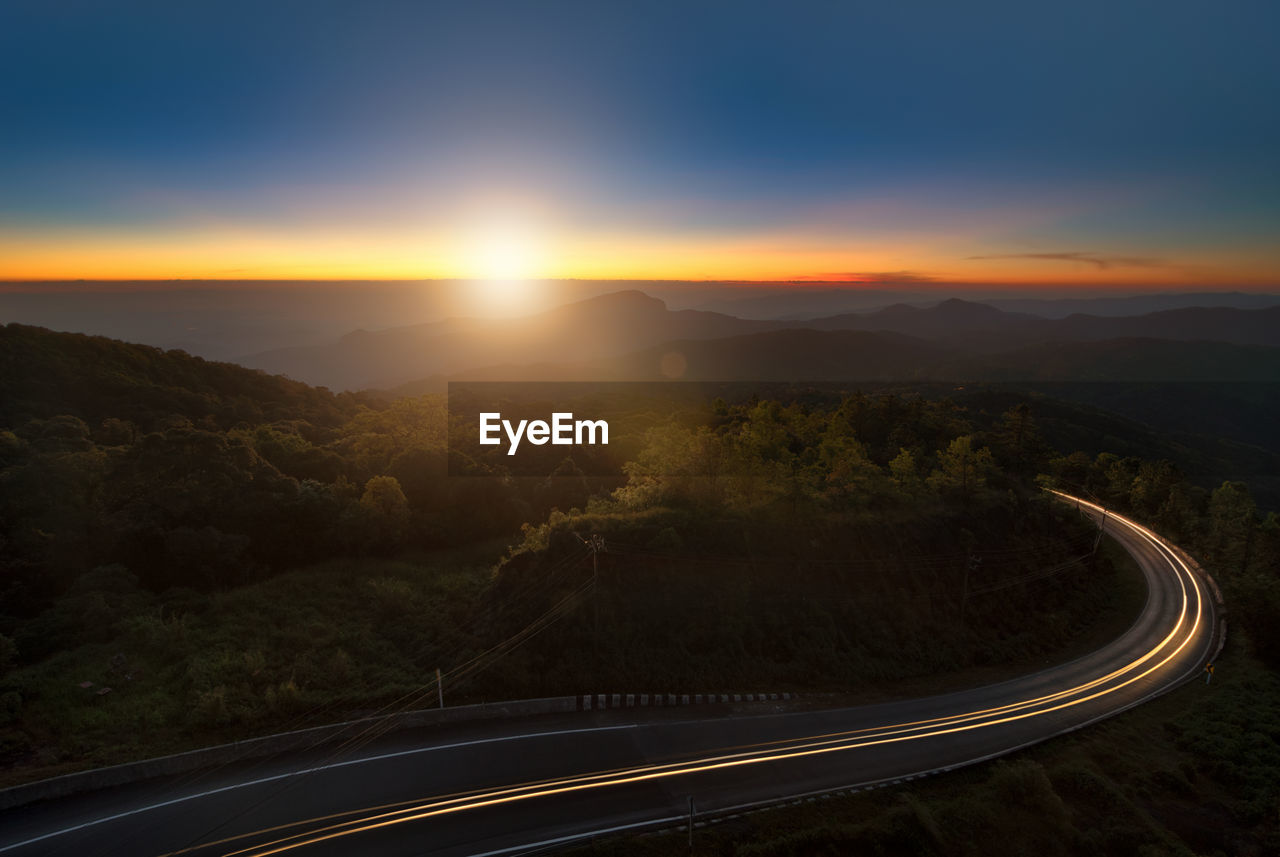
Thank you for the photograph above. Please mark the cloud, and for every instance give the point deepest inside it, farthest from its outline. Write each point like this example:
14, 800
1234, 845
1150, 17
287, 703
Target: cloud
1101, 261
885, 277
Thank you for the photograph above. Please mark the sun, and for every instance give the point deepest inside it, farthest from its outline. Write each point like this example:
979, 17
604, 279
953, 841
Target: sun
502, 251
492, 297
501, 258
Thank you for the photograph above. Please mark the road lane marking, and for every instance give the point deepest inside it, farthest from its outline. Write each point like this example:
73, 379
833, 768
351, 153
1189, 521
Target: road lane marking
560, 840
303, 772
883, 733
641, 774
645, 773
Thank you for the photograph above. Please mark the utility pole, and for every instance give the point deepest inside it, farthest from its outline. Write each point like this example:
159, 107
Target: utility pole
596, 544
1102, 526
439, 687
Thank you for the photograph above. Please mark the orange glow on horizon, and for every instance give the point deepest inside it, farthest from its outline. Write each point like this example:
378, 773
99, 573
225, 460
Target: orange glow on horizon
264, 255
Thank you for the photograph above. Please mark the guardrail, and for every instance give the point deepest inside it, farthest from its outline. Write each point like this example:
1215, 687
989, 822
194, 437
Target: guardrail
313, 738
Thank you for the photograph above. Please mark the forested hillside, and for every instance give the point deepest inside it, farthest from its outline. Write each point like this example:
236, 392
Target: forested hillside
207, 475
45, 374
231, 553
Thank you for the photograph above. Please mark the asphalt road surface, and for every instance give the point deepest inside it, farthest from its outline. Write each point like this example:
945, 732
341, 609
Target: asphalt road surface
509, 787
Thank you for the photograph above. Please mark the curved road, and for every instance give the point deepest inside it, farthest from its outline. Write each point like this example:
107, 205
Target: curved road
504, 788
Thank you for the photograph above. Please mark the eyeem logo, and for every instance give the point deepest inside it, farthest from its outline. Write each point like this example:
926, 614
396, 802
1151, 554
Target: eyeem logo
563, 430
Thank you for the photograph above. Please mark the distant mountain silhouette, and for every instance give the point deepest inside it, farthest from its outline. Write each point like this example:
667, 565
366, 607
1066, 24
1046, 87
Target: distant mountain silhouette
812, 355
1131, 360
953, 321
626, 334
806, 302
849, 355
985, 328
1213, 324
1131, 304
821, 301
783, 355
779, 355
602, 326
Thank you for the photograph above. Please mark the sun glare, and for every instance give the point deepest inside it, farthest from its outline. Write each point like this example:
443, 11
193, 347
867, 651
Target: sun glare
502, 297
501, 258
502, 252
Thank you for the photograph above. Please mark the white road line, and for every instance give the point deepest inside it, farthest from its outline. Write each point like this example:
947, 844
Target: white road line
1162, 551
560, 840
305, 771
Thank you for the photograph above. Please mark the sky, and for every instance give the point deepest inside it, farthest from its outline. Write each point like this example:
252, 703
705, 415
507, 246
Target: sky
1131, 144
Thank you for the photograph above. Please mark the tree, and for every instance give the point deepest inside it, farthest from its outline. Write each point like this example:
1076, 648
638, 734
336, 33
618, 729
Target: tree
564, 489
1022, 448
1257, 591
1118, 475
1232, 519
847, 473
677, 465
116, 432
1178, 514
962, 469
1150, 488
906, 473
1072, 471
386, 511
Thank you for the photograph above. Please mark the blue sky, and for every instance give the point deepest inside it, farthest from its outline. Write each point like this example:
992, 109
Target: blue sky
659, 138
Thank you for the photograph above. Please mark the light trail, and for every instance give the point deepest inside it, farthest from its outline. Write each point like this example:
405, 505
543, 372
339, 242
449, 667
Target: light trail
788, 748
1190, 616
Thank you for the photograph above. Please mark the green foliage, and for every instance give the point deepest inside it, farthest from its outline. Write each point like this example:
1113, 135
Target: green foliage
962, 470
162, 519
304, 648
208, 476
1240, 547
94, 379
1231, 525
906, 474
667, 539
385, 510
763, 457
695, 600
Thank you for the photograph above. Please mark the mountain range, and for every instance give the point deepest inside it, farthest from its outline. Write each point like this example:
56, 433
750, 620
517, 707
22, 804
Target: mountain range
631, 335
817, 301
603, 326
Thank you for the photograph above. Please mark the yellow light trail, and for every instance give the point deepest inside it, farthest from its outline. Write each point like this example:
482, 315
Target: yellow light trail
795, 748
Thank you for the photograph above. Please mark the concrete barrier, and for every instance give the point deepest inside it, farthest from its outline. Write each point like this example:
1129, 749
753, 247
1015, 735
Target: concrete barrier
588, 702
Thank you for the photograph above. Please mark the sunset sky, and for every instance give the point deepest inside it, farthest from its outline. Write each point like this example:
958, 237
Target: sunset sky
1135, 144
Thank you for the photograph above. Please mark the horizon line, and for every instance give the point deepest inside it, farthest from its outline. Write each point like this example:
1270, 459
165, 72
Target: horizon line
797, 282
